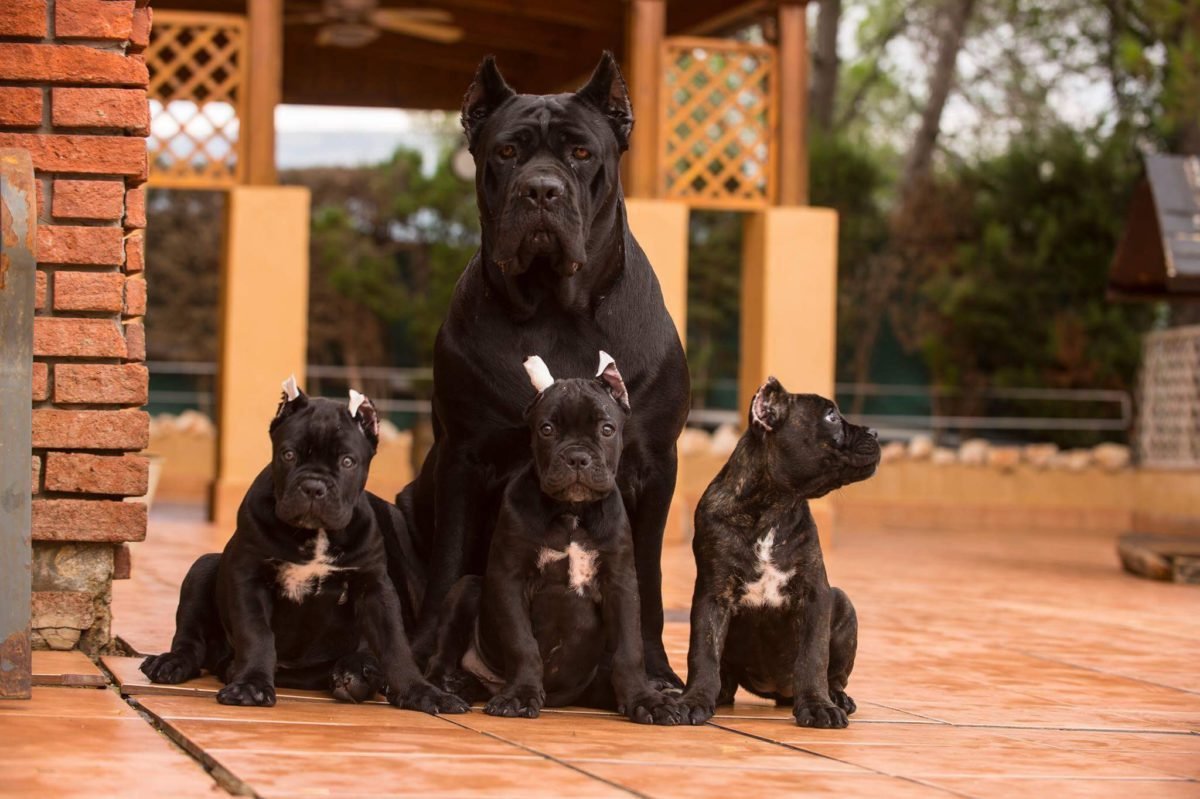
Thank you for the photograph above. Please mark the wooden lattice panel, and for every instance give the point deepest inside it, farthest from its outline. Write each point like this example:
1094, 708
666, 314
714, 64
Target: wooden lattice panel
197, 68
1169, 409
718, 122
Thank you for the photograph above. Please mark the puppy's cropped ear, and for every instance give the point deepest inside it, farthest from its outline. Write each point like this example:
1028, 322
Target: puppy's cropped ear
769, 406
606, 91
363, 411
292, 400
608, 375
487, 93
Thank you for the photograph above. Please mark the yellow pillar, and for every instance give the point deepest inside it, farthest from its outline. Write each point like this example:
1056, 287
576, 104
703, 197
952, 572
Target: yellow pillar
789, 309
661, 227
264, 329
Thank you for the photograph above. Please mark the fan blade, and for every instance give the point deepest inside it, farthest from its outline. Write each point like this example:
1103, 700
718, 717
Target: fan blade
421, 14
434, 32
311, 18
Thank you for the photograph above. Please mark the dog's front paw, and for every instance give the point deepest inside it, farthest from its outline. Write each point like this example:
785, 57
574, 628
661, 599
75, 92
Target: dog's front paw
824, 715
521, 701
843, 700
170, 668
652, 707
695, 709
356, 678
421, 695
252, 691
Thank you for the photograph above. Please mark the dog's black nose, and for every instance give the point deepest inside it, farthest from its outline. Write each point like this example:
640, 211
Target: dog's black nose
543, 189
313, 489
579, 460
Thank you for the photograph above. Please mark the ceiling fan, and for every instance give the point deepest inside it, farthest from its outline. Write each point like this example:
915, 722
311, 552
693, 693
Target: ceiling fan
355, 23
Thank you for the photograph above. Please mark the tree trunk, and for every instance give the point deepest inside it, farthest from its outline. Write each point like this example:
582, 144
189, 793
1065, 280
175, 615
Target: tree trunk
886, 270
825, 65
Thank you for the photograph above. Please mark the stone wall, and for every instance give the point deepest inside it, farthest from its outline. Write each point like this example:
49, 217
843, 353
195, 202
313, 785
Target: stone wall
73, 94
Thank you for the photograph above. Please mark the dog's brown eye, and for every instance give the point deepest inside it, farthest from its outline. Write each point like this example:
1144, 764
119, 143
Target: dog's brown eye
289, 455
582, 153
607, 430
546, 429
507, 151
347, 462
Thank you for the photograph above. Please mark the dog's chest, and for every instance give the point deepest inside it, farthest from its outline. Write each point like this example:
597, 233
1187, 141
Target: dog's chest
296, 581
576, 562
764, 588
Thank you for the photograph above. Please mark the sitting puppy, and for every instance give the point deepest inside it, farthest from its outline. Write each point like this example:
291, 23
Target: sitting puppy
560, 589
303, 583
763, 614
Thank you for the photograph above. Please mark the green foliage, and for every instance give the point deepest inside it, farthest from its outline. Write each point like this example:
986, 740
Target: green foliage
1017, 297
714, 282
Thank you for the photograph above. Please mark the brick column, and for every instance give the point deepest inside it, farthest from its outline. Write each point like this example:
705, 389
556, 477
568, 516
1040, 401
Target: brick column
74, 96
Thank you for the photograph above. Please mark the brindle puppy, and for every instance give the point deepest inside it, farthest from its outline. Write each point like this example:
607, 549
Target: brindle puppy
763, 614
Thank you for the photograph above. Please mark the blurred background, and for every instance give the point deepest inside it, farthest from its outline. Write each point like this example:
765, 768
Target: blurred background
982, 158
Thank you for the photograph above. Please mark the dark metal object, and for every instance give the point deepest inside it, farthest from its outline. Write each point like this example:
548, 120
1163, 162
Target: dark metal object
18, 266
1159, 252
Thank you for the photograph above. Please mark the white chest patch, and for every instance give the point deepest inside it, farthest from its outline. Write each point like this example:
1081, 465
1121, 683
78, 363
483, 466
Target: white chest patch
581, 564
298, 580
767, 590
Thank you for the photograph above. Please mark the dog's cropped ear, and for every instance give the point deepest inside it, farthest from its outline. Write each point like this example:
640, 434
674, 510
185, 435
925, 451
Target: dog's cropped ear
769, 406
292, 400
363, 411
608, 375
539, 373
487, 93
607, 92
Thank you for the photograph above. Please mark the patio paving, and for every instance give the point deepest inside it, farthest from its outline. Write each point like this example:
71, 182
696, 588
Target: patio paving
989, 665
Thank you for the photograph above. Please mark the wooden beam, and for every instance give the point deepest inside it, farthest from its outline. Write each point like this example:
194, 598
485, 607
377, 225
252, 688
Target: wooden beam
793, 104
264, 89
647, 23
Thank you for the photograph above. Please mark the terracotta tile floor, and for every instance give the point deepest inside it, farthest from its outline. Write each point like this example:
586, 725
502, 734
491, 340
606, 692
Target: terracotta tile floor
990, 665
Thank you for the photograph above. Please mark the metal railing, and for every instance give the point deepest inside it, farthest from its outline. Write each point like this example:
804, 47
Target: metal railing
398, 391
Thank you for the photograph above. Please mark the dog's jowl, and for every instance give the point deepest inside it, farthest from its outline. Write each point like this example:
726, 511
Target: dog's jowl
558, 273
560, 585
764, 616
316, 585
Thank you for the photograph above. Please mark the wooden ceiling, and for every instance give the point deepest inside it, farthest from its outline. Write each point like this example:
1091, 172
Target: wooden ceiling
541, 45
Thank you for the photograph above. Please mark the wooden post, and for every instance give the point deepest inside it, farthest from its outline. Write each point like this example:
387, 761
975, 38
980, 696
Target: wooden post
18, 268
647, 22
793, 103
264, 88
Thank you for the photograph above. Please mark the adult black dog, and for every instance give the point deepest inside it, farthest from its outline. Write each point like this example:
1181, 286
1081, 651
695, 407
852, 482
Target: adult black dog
560, 274
560, 579
304, 581
763, 614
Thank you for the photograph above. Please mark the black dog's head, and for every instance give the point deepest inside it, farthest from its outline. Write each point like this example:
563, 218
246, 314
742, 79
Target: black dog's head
545, 167
322, 451
576, 426
810, 448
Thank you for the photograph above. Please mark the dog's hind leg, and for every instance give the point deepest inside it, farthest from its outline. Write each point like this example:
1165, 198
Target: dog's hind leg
843, 644
199, 639
456, 631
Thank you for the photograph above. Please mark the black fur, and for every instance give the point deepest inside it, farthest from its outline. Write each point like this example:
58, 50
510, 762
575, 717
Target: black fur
529, 634
345, 633
796, 646
558, 274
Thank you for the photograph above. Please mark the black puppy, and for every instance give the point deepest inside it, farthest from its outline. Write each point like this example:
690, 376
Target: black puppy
558, 273
303, 583
763, 614
560, 586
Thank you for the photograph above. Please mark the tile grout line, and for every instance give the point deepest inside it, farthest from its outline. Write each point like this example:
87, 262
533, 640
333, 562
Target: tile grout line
797, 748
1107, 673
545, 756
223, 777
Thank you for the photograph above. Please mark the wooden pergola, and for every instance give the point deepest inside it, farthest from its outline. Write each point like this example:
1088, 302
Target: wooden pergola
720, 125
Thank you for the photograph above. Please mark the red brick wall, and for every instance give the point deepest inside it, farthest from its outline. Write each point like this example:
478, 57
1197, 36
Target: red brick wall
74, 96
